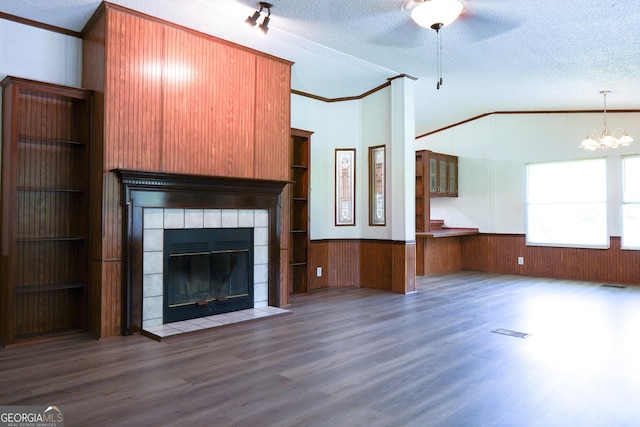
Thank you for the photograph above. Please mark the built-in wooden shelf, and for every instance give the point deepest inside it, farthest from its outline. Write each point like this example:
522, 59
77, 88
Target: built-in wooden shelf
23, 139
299, 211
45, 173
48, 287
50, 239
52, 190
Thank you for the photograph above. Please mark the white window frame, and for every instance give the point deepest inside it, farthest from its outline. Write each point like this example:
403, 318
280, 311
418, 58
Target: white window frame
630, 201
565, 196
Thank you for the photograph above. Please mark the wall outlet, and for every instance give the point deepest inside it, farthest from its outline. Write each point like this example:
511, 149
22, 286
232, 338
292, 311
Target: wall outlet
520, 260
318, 271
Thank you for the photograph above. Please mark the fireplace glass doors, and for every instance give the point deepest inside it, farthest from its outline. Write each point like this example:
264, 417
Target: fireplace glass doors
207, 271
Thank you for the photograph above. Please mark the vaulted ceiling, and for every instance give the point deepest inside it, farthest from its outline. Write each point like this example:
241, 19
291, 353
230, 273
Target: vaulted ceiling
498, 56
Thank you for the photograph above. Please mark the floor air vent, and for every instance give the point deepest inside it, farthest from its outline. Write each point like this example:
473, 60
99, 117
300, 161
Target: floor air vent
511, 333
614, 286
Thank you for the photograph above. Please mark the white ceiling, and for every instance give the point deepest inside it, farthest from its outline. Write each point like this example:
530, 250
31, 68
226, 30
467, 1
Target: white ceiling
500, 55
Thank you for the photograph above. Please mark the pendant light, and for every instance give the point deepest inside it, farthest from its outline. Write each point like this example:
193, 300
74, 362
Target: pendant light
607, 139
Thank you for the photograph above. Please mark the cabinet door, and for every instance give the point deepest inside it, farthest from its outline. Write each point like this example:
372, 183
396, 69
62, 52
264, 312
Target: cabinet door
443, 175
433, 175
453, 178
443, 183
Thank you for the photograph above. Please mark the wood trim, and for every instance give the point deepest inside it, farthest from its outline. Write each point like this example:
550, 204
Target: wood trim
301, 133
356, 97
346, 98
386, 241
40, 25
61, 90
142, 189
521, 112
400, 76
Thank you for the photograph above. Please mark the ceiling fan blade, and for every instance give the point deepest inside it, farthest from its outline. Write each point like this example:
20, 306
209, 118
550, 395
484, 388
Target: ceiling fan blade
410, 4
405, 34
480, 24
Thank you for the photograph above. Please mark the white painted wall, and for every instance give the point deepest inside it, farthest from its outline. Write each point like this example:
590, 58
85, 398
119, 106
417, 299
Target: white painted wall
38, 54
493, 153
334, 125
358, 124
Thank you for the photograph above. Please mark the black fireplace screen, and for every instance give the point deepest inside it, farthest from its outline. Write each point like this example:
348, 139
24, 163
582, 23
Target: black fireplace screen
206, 276
207, 271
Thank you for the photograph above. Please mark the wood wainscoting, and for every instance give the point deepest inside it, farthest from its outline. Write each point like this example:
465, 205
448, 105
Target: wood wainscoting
438, 255
376, 264
498, 253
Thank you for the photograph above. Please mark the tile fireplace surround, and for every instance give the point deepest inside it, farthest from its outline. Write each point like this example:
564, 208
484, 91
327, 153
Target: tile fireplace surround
157, 220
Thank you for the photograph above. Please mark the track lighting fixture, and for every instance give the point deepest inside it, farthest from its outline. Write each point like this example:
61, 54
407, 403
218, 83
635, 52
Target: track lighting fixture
252, 20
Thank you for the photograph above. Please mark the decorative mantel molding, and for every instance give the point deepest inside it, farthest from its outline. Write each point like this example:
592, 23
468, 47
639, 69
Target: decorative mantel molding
134, 179
148, 189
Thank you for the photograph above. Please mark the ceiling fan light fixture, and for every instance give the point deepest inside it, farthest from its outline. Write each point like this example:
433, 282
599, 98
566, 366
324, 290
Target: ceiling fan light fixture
436, 13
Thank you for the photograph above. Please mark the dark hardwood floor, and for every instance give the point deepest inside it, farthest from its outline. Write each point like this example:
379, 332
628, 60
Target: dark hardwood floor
362, 357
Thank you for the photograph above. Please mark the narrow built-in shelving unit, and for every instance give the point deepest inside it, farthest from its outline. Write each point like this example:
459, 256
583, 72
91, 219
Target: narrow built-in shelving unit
422, 194
44, 209
299, 211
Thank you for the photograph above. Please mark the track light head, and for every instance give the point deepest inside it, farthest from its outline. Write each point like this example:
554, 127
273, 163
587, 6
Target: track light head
264, 27
253, 19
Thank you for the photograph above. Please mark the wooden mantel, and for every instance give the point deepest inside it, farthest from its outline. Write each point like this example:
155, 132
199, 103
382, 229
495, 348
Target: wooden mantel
147, 189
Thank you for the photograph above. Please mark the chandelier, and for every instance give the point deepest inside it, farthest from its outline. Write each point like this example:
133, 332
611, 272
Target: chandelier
594, 140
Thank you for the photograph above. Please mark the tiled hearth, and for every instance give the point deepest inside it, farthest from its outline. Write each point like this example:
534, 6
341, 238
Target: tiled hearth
156, 220
202, 323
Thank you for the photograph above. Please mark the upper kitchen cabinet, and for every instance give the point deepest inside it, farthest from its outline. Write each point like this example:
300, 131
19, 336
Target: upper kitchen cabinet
443, 174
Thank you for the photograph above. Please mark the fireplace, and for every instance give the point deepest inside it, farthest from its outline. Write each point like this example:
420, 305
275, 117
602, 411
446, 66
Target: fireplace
206, 272
156, 203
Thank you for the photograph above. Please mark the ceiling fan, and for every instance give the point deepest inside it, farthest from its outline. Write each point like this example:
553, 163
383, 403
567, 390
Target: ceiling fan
480, 21
435, 14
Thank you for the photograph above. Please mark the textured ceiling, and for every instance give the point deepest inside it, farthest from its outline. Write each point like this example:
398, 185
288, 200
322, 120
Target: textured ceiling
498, 56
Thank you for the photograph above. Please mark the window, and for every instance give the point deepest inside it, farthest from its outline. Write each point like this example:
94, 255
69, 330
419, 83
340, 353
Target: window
631, 202
567, 203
